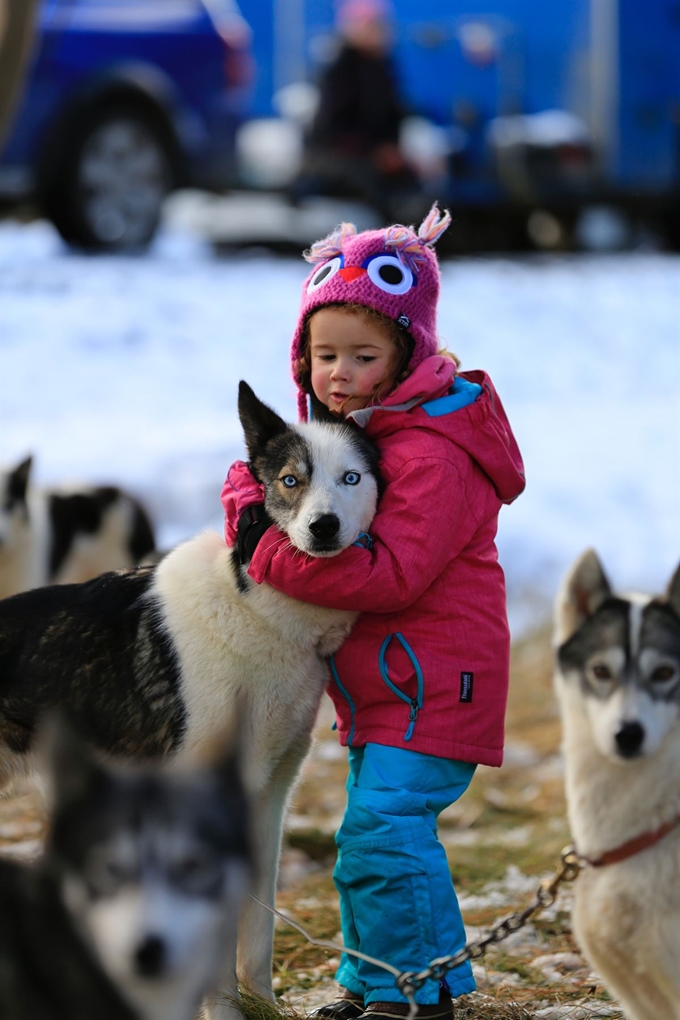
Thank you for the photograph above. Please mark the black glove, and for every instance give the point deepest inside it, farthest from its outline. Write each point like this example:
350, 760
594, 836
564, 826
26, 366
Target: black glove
252, 524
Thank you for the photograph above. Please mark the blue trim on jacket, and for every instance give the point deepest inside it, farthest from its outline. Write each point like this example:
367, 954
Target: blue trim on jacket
462, 393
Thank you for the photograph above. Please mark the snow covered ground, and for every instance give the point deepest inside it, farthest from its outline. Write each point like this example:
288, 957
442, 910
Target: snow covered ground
125, 369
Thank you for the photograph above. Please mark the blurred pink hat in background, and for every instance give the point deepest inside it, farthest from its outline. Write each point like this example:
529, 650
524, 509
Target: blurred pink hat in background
352, 13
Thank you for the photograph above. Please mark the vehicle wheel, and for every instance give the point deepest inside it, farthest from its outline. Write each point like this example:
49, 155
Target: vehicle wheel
110, 179
670, 227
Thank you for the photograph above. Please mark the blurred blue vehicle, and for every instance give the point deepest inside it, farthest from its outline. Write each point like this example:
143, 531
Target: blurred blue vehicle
549, 105
124, 101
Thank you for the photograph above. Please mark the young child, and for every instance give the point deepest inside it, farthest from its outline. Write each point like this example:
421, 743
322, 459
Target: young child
420, 684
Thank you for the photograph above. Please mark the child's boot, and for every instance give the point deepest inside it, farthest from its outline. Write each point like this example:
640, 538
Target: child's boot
347, 1006
442, 1010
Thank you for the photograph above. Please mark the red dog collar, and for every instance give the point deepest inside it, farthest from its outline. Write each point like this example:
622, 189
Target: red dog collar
633, 846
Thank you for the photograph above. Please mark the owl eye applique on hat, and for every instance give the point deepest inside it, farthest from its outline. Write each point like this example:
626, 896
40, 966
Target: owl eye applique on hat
386, 271
389, 273
325, 273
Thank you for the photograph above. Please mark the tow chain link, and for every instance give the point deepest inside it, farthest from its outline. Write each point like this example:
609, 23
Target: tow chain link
408, 982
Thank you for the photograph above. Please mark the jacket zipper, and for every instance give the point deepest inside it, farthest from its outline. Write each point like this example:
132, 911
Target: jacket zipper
415, 704
343, 691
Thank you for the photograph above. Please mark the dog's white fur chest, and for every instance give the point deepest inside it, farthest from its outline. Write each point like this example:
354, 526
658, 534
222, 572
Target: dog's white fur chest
261, 647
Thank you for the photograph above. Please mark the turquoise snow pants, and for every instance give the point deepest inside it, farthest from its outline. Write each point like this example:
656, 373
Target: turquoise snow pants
397, 901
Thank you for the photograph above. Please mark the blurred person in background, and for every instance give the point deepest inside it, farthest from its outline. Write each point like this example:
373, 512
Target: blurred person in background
353, 145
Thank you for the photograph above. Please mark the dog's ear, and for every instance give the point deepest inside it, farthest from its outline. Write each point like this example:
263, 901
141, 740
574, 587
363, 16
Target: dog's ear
18, 481
260, 423
583, 591
673, 592
70, 765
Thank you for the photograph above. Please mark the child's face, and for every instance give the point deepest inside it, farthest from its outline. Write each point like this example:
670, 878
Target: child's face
350, 357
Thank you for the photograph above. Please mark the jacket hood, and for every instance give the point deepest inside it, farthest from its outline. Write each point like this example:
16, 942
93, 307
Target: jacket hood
462, 406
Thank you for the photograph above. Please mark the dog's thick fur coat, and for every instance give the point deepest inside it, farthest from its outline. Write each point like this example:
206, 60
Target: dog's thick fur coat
66, 535
153, 661
618, 682
128, 914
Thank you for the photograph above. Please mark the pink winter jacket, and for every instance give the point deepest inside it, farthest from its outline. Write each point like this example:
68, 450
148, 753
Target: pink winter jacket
426, 665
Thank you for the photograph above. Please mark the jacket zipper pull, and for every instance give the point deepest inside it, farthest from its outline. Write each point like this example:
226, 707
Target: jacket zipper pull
412, 716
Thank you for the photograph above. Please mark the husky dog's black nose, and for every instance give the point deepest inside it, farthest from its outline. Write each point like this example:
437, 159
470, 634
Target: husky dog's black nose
629, 739
150, 957
325, 527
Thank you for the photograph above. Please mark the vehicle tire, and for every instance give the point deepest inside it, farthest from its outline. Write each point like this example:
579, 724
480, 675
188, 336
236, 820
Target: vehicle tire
670, 226
109, 178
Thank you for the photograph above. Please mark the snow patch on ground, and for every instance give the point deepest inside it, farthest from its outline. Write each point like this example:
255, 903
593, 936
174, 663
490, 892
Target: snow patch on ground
125, 369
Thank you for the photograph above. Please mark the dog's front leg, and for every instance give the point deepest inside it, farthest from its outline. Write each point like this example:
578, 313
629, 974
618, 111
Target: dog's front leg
223, 1003
256, 924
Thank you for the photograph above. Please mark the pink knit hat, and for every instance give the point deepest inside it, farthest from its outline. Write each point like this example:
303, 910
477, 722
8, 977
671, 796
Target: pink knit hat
393, 270
362, 12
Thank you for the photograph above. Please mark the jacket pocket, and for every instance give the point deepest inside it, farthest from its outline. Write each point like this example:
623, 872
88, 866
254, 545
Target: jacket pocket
412, 680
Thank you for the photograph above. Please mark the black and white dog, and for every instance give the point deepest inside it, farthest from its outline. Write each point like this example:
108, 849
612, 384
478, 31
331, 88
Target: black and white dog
66, 535
618, 683
130, 911
150, 662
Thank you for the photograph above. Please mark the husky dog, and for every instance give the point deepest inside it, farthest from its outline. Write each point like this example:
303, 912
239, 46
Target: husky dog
150, 662
129, 912
61, 536
618, 682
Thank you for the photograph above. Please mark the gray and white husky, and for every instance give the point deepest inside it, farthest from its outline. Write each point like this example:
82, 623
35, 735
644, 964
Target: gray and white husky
67, 534
151, 662
131, 909
618, 683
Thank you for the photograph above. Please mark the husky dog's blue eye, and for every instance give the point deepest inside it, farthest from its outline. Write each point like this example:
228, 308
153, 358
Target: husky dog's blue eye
324, 273
290, 481
352, 478
389, 273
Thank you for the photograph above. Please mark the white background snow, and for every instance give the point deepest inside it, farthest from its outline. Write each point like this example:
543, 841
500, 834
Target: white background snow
125, 369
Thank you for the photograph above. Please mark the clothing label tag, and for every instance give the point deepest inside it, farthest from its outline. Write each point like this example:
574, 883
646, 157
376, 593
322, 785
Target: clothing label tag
466, 680
403, 321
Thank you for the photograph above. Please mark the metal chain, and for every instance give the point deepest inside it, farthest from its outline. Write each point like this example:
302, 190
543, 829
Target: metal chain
409, 982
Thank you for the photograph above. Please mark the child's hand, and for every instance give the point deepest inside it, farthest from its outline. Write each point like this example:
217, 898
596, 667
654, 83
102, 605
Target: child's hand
240, 491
